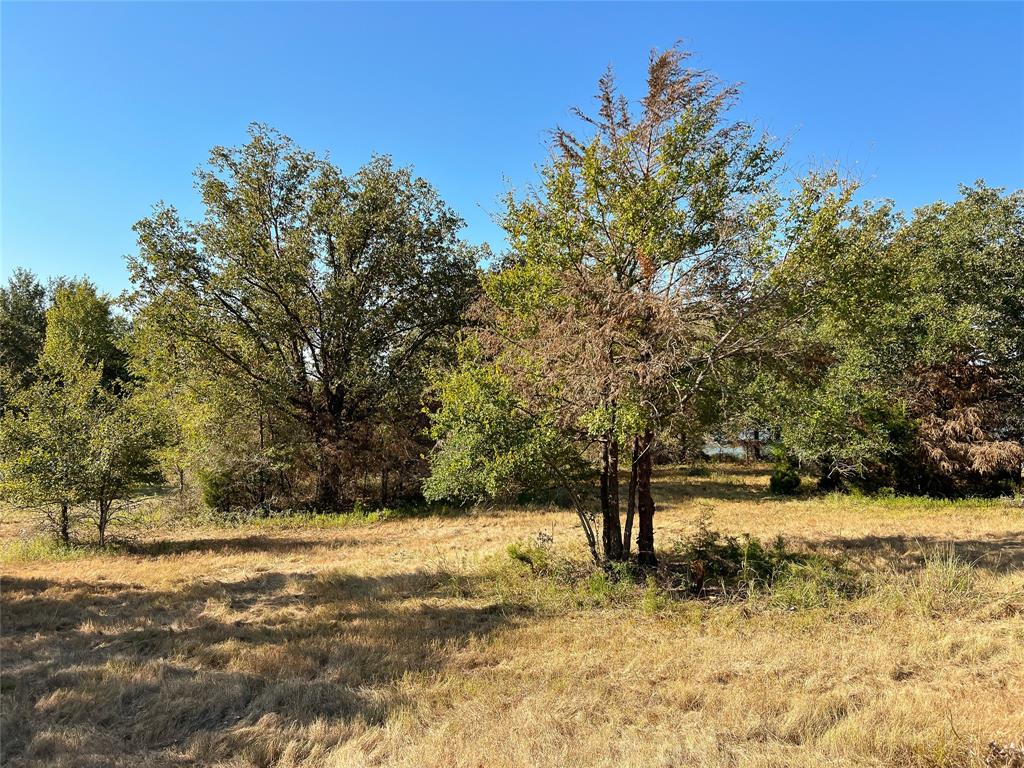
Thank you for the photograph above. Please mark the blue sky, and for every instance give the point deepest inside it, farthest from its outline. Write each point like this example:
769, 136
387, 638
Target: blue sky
108, 108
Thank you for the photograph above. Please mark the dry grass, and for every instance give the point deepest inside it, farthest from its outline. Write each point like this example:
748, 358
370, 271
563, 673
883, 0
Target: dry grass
418, 642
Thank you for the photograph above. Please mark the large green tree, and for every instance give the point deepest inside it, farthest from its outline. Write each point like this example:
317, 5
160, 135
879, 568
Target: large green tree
323, 296
655, 249
911, 364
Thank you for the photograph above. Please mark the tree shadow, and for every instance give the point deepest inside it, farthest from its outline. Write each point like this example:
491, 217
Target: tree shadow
997, 554
229, 545
673, 487
740, 469
96, 672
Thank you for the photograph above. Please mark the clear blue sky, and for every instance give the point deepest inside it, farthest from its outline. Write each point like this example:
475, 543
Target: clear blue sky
108, 108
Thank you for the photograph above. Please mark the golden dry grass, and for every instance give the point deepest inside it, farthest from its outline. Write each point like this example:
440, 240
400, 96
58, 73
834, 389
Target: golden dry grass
418, 642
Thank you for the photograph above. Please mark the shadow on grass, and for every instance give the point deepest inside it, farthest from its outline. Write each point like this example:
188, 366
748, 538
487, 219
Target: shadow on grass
105, 673
753, 469
229, 545
997, 554
671, 486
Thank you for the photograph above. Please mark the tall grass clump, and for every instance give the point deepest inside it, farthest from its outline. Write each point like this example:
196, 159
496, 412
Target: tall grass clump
945, 583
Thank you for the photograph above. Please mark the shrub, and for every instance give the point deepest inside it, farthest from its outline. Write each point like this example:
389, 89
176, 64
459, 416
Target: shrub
219, 490
536, 554
784, 481
711, 563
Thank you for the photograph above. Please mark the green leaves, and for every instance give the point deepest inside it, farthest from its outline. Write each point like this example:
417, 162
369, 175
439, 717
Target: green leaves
22, 330
320, 299
910, 327
78, 435
81, 328
489, 445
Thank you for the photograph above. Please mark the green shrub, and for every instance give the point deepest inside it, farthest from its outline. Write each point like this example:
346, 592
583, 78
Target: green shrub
710, 563
218, 490
784, 481
536, 554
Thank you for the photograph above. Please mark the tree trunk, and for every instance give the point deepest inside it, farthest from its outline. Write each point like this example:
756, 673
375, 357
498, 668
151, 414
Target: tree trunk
101, 522
645, 504
627, 536
605, 501
383, 487
65, 524
612, 525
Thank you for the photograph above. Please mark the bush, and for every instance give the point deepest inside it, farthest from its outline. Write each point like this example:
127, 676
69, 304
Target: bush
785, 480
219, 490
711, 563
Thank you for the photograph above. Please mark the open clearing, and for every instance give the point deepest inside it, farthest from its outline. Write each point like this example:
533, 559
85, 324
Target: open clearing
418, 641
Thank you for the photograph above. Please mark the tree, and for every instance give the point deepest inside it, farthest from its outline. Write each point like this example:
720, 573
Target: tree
650, 256
83, 329
76, 440
324, 296
912, 366
22, 330
122, 440
69, 445
44, 456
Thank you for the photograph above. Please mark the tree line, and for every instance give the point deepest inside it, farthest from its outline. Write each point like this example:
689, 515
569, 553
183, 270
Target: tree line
320, 340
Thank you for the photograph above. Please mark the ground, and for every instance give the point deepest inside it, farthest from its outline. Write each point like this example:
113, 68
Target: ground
418, 641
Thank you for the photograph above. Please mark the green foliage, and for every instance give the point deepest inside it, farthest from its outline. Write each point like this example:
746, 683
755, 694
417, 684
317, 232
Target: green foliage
67, 443
22, 330
909, 370
77, 442
710, 563
488, 444
532, 554
45, 460
82, 328
317, 299
784, 480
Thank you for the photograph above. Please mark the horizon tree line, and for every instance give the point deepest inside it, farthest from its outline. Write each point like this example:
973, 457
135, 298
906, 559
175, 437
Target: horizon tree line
320, 340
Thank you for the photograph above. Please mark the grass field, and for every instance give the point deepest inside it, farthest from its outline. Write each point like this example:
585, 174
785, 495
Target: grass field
418, 641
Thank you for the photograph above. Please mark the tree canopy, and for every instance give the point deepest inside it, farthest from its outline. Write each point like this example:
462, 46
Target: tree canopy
322, 295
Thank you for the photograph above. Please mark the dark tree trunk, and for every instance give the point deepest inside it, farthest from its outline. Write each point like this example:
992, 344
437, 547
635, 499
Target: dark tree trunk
261, 474
627, 536
101, 522
329, 479
64, 523
181, 480
383, 487
610, 483
645, 504
604, 479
